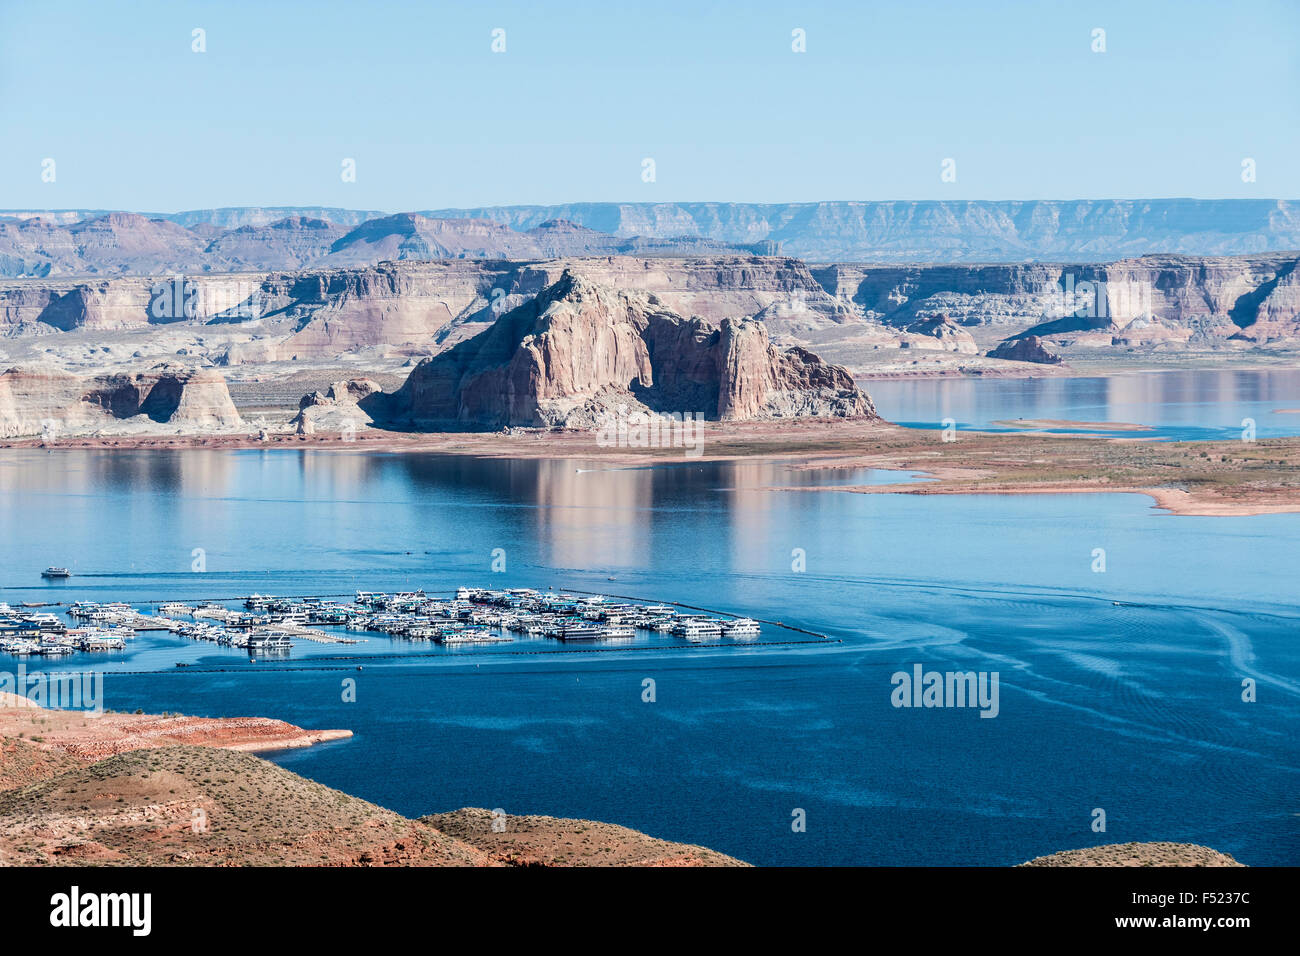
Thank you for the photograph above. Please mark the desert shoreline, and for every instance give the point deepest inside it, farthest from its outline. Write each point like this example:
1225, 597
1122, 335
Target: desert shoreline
1171, 500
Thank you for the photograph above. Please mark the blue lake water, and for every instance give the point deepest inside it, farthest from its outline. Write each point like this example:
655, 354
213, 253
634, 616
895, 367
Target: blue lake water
1118, 690
1179, 404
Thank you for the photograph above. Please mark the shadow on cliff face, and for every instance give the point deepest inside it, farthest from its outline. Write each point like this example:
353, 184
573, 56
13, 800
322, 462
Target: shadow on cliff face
163, 400
695, 397
385, 412
1245, 310
128, 396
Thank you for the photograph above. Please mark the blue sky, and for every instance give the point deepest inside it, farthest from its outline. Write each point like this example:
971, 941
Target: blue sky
584, 92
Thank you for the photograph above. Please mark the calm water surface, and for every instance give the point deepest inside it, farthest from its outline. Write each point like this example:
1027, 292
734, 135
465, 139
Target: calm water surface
1119, 690
1184, 405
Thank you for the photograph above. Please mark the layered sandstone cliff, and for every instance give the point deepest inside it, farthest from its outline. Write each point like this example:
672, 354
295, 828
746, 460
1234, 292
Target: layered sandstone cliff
49, 402
579, 349
400, 302
1150, 299
855, 314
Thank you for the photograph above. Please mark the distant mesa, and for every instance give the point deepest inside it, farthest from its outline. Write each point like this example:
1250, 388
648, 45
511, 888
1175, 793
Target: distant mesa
1084, 230
126, 244
907, 231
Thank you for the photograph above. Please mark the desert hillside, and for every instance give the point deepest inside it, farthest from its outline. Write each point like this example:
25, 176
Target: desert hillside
212, 807
169, 790
549, 841
1138, 854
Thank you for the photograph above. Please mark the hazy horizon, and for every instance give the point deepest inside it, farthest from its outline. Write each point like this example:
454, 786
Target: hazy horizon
626, 202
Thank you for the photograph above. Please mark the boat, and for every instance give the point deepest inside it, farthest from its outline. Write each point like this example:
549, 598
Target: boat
740, 626
269, 640
53, 572
697, 627
474, 636
581, 632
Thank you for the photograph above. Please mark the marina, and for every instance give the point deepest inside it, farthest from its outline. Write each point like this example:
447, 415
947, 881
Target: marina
266, 625
27, 633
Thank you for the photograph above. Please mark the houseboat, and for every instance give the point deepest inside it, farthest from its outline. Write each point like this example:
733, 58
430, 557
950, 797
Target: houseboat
580, 632
268, 640
697, 627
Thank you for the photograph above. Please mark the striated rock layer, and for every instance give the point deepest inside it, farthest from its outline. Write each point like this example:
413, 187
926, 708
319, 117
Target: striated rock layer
1258, 290
414, 308
50, 402
579, 349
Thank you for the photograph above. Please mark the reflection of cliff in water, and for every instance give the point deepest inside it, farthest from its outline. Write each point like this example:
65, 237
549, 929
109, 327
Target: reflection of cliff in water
118, 471
1186, 403
416, 513
599, 515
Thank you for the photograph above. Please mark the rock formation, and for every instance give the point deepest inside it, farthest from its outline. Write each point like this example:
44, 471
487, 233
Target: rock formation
114, 244
336, 409
1016, 294
578, 349
51, 403
291, 243
1027, 349
1151, 300
946, 335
